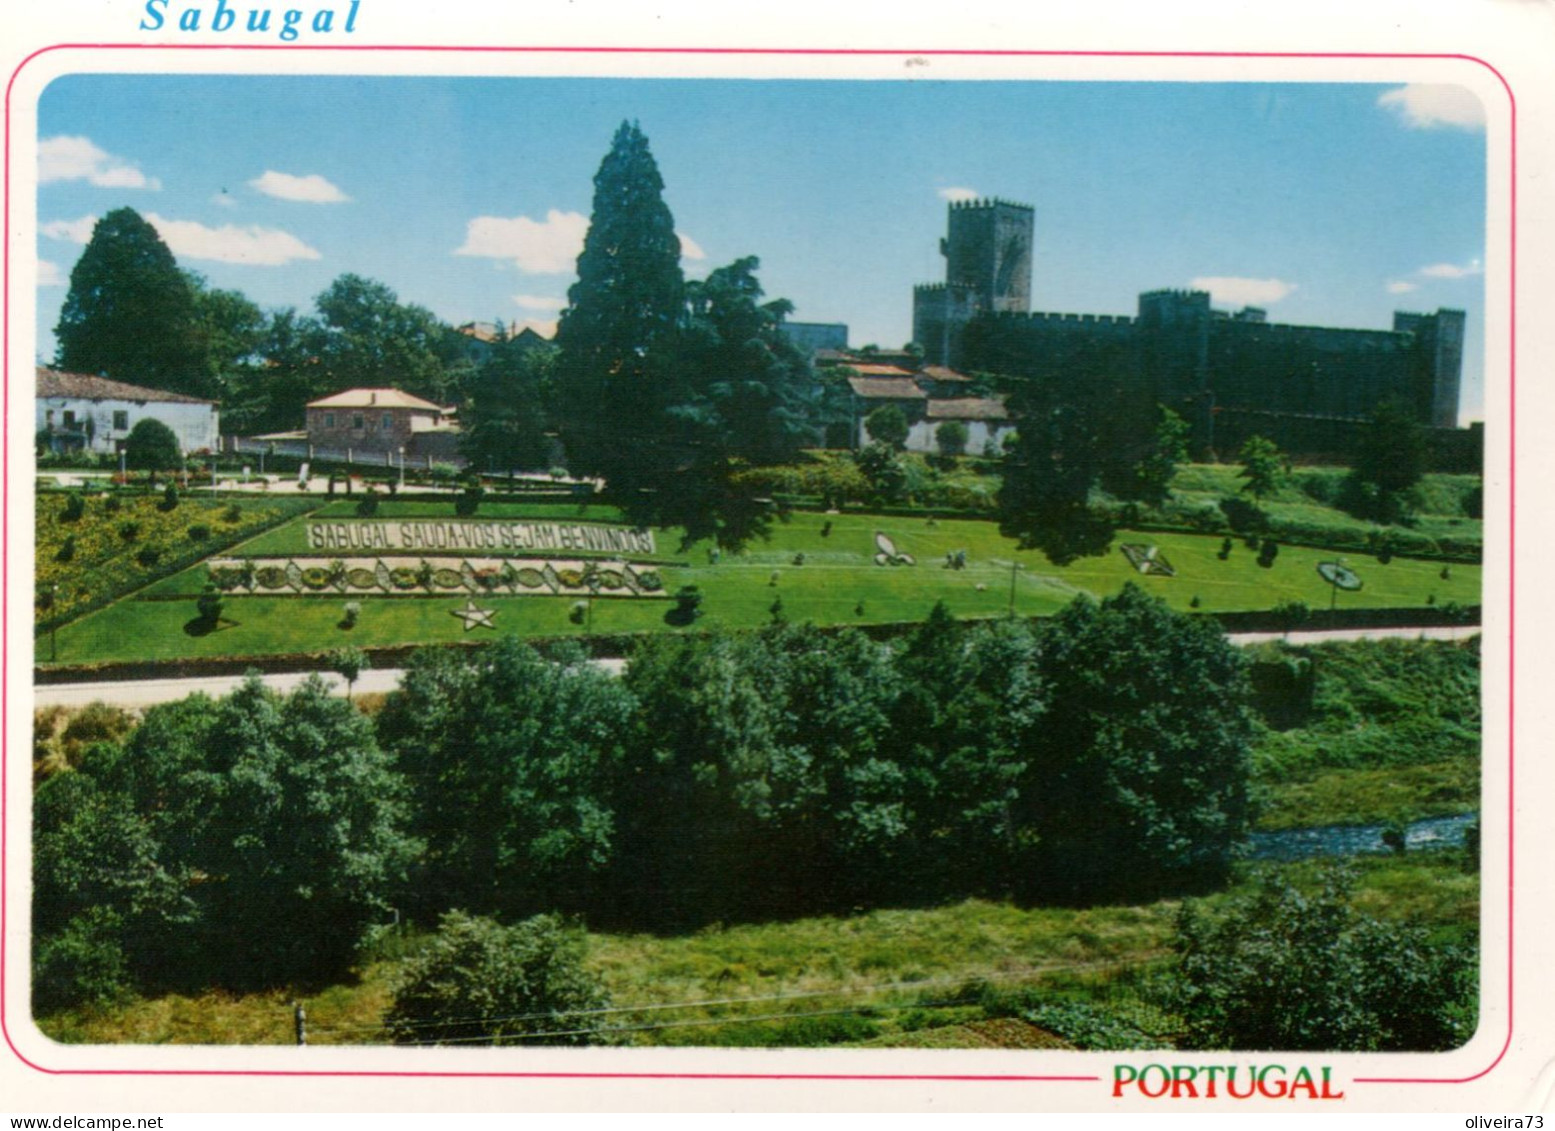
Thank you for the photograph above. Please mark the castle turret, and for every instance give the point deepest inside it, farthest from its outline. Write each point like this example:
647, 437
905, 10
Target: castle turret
987, 269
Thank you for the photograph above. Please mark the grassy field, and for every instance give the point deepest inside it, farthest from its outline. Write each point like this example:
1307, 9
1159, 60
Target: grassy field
838, 583
930, 977
1392, 735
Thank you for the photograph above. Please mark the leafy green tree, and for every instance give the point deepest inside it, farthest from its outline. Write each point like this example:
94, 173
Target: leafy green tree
1390, 459
349, 664
233, 330
480, 983
1061, 449
131, 313
281, 821
887, 425
365, 335
505, 416
1136, 781
971, 700
951, 438
152, 447
731, 392
769, 755
101, 896
1152, 475
630, 296
882, 466
1303, 970
516, 759
1264, 467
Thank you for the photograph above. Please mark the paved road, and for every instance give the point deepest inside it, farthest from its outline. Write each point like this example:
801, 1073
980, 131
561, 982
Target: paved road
146, 692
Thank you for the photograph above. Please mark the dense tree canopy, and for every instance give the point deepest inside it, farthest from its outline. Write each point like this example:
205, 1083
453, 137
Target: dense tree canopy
1140, 780
131, 313
630, 296
260, 837
516, 758
1303, 970
504, 417
1390, 459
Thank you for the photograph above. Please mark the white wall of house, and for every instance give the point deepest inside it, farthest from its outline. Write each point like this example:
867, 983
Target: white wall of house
197, 426
920, 437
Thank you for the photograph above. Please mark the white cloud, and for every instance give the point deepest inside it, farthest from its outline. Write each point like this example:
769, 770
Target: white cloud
1401, 287
540, 302
76, 231
546, 328
957, 193
49, 274
689, 248
253, 246
310, 189
1452, 270
1423, 106
78, 159
1234, 291
537, 247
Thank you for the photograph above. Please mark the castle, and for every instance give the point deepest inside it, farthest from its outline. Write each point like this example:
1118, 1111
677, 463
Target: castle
1231, 375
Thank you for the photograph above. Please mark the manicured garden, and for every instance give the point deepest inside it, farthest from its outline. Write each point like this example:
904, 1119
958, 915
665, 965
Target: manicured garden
815, 567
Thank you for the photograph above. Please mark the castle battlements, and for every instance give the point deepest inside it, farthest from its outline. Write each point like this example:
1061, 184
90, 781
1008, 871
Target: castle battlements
988, 202
1076, 319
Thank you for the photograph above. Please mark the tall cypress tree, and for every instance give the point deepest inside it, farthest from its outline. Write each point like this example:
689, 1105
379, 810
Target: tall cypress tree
131, 312
629, 297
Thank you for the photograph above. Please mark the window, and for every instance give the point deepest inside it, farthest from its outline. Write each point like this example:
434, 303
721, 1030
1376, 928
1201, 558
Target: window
329, 420
121, 420
70, 419
357, 421
48, 419
388, 422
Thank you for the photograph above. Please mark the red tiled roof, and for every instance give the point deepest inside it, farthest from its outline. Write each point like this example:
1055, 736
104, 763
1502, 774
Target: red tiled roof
869, 369
941, 373
80, 386
968, 408
887, 388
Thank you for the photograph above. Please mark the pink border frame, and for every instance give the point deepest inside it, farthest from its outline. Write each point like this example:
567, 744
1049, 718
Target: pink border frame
5, 540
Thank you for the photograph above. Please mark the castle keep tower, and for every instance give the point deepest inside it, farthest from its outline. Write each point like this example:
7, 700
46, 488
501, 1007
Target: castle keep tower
987, 253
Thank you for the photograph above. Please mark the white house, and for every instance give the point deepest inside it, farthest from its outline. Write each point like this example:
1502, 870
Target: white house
96, 414
986, 420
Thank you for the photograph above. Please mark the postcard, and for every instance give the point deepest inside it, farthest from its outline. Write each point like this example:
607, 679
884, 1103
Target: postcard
579, 561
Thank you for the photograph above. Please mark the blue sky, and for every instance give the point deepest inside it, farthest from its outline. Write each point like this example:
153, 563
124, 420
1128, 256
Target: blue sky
1326, 204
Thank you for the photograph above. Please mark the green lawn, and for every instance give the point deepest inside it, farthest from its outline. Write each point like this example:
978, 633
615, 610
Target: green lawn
838, 583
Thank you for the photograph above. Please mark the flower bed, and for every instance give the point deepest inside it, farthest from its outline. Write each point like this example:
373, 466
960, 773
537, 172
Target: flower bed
406, 576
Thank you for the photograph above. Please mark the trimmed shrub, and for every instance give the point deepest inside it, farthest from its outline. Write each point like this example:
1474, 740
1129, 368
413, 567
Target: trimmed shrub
480, 983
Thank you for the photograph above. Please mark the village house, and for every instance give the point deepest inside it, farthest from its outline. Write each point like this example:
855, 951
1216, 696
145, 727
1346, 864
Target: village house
379, 421
78, 412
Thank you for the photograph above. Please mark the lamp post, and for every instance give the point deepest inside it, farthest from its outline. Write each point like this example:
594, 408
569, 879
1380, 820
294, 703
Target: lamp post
1015, 568
402, 469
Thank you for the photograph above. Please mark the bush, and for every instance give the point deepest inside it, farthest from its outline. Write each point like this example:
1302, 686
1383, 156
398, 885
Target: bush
233, 513
169, 498
367, 506
469, 501
148, 556
1298, 970
129, 531
199, 532
479, 983
209, 605
67, 549
82, 965
75, 507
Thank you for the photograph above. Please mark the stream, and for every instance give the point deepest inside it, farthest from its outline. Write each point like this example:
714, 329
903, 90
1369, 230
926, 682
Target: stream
1350, 840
